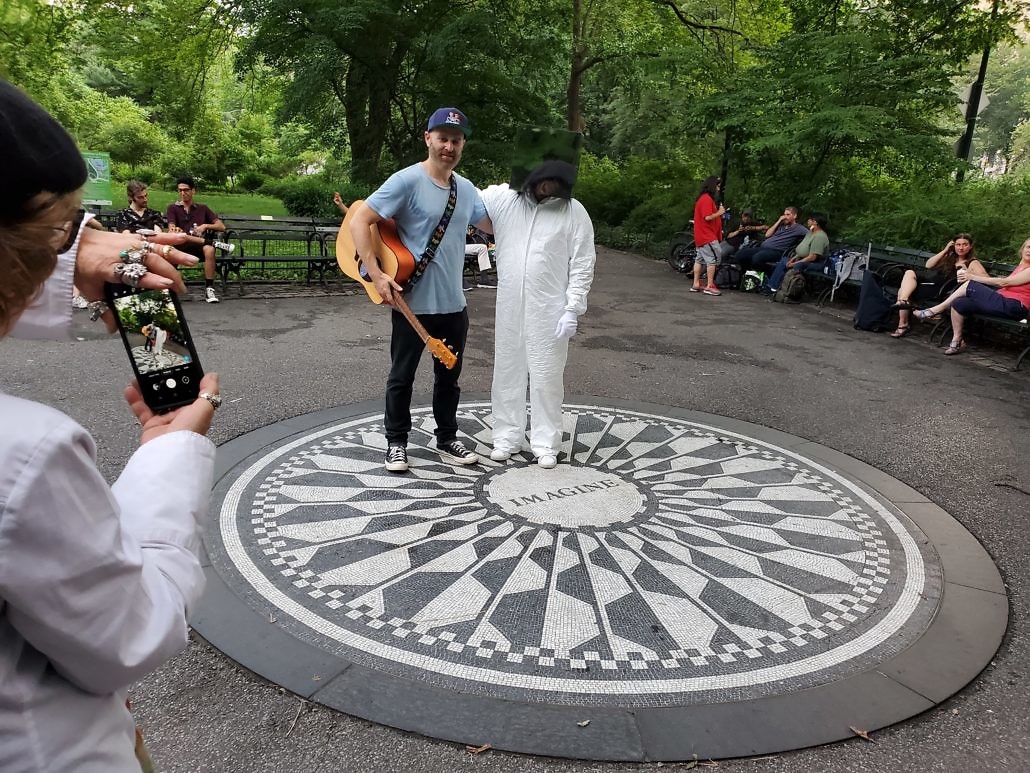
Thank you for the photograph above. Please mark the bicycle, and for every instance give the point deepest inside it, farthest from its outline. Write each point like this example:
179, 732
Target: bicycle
682, 251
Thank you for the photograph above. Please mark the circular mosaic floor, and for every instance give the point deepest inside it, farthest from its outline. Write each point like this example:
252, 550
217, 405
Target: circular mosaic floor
678, 574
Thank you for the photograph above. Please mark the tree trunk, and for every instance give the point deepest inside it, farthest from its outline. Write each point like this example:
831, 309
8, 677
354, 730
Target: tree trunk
573, 115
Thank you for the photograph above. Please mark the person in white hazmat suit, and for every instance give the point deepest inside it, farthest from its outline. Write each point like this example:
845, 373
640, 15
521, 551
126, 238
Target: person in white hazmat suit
545, 265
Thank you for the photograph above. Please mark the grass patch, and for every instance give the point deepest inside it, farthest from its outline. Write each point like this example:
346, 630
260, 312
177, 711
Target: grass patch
221, 203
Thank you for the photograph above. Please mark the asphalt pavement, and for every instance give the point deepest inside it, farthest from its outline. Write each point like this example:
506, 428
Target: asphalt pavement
957, 429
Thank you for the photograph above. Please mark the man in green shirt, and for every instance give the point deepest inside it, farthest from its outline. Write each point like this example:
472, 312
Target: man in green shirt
809, 255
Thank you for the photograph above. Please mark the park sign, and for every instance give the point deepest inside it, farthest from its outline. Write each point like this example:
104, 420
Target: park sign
98, 178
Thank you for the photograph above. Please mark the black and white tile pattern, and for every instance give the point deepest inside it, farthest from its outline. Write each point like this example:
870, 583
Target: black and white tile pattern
663, 562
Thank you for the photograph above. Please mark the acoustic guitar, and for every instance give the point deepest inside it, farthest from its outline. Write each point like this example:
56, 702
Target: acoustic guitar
397, 262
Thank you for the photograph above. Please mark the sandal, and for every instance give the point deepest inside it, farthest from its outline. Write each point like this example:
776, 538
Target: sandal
901, 332
955, 347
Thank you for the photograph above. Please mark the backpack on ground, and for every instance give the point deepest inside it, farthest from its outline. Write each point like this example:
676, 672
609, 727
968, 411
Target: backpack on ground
727, 276
792, 290
753, 281
874, 306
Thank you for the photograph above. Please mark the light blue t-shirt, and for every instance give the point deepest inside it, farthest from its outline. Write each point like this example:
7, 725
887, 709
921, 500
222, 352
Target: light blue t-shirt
416, 204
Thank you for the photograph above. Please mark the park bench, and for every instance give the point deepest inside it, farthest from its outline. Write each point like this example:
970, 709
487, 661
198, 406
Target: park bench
982, 325
267, 243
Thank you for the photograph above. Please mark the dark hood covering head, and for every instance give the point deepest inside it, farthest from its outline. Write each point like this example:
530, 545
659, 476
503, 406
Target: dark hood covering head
39, 155
562, 171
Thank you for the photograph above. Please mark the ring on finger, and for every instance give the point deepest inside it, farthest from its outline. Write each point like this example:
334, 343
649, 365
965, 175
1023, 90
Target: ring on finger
213, 398
166, 250
96, 310
130, 273
137, 255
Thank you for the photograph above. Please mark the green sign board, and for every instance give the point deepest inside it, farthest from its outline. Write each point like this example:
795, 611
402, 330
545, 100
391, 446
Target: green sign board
98, 178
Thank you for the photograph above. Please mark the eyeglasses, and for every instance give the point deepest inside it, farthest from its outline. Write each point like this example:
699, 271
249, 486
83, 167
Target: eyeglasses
183, 190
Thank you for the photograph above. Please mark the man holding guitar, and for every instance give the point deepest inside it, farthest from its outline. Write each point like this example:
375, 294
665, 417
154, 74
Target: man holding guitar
431, 207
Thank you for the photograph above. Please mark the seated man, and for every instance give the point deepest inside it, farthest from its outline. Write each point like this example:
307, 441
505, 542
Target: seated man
745, 230
200, 223
138, 215
809, 255
477, 246
781, 236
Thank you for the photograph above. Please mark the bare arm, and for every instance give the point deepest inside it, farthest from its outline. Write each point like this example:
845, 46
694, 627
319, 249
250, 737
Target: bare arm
1012, 280
931, 262
485, 225
772, 229
976, 268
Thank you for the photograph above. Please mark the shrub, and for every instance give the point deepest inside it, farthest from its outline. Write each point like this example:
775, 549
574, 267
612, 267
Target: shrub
926, 217
250, 181
312, 196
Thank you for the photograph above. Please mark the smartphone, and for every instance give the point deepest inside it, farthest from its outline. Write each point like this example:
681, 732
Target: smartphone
160, 347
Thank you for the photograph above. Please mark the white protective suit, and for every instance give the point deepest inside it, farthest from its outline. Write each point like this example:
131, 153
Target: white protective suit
545, 266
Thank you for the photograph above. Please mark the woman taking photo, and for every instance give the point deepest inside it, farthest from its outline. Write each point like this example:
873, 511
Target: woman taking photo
95, 579
958, 253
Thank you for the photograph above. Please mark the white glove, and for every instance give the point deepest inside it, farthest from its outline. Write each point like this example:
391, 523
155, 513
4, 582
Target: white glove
567, 325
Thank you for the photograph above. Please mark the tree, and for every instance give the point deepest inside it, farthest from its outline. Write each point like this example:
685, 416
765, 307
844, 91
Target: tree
128, 134
366, 74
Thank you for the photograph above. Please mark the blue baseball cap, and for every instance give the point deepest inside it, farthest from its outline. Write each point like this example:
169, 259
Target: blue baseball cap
449, 117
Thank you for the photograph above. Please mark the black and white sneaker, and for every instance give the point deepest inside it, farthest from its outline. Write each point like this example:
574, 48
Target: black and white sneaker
397, 458
226, 247
455, 452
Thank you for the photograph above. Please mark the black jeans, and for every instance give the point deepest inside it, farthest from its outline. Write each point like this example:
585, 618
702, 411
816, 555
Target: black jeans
405, 351
759, 259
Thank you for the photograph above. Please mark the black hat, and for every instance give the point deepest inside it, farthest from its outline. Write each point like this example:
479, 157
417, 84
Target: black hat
39, 154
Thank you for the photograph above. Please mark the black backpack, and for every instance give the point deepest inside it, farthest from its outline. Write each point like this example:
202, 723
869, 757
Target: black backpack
793, 288
727, 276
874, 307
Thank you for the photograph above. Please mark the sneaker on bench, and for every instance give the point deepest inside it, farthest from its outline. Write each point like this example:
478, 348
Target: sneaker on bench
227, 246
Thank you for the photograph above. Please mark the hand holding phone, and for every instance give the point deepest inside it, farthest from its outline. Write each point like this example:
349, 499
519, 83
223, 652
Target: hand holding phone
195, 417
154, 331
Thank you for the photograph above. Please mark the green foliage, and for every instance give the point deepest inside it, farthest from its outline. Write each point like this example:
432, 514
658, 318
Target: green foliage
926, 217
128, 135
312, 195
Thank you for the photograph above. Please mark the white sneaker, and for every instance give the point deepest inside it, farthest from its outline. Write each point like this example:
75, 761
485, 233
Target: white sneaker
499, 455
227, 246
547, 462
210, 295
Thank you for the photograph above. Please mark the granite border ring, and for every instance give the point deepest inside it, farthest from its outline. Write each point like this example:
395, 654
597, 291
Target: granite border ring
681, 584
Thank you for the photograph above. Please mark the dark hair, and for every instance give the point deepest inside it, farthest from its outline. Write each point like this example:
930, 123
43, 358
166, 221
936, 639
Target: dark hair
186, 180
820, 220
709, 186
949, 262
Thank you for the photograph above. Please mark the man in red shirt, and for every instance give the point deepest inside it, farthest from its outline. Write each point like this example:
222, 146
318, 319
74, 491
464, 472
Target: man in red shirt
199, 221
707, 234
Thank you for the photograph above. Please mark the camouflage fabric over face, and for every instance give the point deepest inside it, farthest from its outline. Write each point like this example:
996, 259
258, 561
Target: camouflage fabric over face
536, 145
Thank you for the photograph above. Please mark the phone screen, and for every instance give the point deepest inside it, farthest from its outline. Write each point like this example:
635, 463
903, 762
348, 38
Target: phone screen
160, 348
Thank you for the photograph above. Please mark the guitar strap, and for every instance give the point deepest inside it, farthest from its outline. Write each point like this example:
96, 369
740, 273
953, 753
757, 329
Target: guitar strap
437, 237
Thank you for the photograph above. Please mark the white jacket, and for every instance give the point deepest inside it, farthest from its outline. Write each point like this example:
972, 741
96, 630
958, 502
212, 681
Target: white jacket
545, 266
95, 579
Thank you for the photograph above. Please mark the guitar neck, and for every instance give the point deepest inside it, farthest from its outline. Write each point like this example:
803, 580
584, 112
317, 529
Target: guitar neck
402, 306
